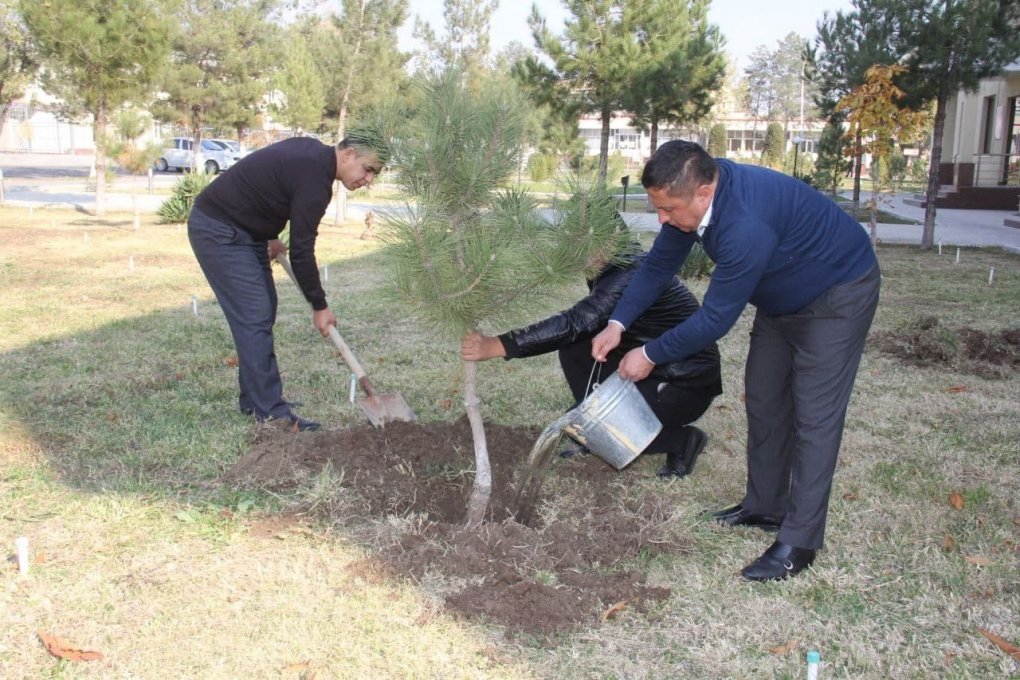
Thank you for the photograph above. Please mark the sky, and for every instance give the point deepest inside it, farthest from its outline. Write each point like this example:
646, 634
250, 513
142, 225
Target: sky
745, 24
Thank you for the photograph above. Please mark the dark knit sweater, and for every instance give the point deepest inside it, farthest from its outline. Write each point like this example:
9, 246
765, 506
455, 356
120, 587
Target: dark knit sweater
291, 181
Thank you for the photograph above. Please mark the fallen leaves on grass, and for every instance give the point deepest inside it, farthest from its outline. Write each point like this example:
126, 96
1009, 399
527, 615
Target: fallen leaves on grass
613, 611
230, 361
956, 500
977, 560
64, 650
1010, 649
956, 389
299, 667
948, 543
785, 648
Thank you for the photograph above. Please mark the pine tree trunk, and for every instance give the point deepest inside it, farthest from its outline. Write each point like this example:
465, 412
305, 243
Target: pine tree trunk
478, 503
607, 114
654, 140
858, 165
99, 135
931, 195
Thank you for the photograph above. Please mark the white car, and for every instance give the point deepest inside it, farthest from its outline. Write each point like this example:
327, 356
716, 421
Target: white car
213, 158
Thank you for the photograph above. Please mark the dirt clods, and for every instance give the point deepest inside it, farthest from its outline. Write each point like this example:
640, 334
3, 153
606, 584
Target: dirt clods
926, 342
582, 555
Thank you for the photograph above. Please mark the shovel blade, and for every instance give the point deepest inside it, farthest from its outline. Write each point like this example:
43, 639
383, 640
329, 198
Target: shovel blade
386, 408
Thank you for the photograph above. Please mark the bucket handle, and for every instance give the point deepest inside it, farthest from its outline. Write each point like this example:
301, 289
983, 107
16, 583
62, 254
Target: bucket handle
591, 387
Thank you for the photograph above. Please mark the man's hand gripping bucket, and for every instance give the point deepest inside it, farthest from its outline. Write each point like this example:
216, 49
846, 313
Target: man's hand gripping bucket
614, 422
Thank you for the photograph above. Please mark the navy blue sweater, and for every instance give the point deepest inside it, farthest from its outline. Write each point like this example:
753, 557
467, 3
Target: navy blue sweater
291, 181
777, 243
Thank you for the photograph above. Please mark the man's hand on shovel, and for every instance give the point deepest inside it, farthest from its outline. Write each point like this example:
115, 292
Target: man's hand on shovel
322, 319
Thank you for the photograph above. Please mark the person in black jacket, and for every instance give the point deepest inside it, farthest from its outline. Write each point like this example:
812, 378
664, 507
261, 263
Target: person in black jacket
678, 392
234, 230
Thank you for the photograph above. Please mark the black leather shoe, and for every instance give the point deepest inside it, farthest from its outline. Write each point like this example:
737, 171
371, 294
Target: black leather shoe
680, 463
739, 516
780, 561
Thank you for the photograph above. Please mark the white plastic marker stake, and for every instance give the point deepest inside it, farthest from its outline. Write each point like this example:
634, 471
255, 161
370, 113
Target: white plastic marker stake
940, 246
354, 382
991, 275
325, 273
814, 660
194, 305
957, 256
131, 263
21, 546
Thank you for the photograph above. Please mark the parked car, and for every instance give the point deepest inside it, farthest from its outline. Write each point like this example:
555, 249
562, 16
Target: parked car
214, 157
231, 145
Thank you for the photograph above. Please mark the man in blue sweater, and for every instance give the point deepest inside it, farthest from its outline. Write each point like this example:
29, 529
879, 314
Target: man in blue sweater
234, 230
812, 275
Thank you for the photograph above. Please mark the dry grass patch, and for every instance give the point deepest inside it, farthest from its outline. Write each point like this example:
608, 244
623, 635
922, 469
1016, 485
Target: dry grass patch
116, 410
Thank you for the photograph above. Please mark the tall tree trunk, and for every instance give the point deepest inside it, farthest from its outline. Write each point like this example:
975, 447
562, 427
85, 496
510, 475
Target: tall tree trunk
930, 196
653, 142
858, 166
99, 135
478, 503
607, 114
345, 100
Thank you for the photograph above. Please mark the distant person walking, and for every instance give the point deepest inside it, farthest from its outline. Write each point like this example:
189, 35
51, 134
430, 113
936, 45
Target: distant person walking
234, 229
810, 271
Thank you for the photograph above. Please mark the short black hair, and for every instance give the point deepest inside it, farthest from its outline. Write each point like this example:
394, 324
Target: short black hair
680, 167
365, 139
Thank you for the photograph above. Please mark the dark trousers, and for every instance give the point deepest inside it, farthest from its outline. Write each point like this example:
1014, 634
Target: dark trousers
237, 268
800, 372
676, 406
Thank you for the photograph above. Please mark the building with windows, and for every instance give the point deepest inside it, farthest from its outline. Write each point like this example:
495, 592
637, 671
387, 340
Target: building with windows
980, 165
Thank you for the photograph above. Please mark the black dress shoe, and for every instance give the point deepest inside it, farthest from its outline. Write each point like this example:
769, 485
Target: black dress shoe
739, 516
780, 561
680, 463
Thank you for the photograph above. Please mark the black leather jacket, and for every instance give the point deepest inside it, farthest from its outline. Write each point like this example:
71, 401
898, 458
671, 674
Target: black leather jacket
590, 315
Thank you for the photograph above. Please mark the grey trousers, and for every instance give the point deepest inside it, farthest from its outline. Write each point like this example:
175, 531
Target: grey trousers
798, 379
237, 268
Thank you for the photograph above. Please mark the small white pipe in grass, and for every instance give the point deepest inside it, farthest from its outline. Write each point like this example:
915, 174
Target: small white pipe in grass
21, 546
991, 275
957, 256
325, 273
354, 381
194, 305
814, 660
940, 246
131, 263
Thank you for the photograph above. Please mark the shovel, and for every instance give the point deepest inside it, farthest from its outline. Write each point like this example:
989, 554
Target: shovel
380, 408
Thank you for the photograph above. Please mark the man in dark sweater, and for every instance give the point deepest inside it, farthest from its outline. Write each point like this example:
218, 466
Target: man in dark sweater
810, 271
679, 392
234, 228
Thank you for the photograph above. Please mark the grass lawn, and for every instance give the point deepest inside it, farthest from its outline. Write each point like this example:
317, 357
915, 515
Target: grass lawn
116, 426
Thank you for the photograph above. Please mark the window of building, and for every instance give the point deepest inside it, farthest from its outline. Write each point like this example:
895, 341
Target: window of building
988, 124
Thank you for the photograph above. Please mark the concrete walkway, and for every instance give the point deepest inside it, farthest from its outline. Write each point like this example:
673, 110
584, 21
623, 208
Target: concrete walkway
982, 228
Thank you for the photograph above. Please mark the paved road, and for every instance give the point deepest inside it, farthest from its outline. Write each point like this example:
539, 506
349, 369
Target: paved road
42, 180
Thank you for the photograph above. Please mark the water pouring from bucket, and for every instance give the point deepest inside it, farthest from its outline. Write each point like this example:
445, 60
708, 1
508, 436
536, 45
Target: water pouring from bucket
614, 422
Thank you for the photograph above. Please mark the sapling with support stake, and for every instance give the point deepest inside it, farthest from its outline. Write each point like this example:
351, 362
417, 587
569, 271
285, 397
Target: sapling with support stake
466, 251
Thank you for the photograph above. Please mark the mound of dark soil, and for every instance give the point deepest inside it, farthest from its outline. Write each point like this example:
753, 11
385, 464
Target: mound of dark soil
536, 580
926, 342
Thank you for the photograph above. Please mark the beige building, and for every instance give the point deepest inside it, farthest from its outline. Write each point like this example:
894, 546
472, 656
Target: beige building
980, 165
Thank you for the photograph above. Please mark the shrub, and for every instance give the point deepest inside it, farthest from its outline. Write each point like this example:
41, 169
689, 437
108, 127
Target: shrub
717, 141
772, 152
176, 209
542, 166
698, 265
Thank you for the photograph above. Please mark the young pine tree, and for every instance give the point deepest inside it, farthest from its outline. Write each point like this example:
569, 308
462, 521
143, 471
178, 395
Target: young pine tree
466, 252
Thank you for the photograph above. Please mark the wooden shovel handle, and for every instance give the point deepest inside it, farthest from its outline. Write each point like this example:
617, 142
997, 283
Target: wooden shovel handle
334, 335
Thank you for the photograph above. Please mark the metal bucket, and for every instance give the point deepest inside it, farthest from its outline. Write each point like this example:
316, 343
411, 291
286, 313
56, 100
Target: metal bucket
614, 422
